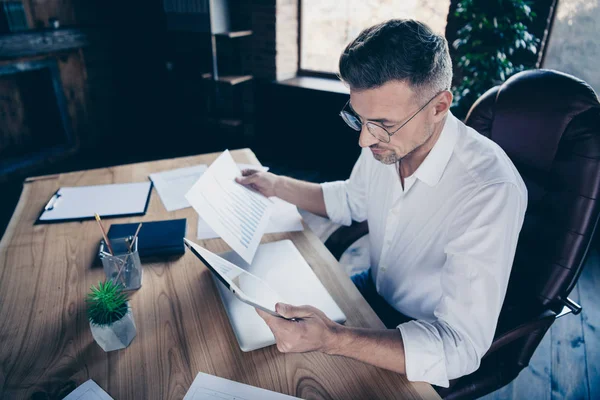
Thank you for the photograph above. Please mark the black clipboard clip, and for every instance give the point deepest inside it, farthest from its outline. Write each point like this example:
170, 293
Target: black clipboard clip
52, 202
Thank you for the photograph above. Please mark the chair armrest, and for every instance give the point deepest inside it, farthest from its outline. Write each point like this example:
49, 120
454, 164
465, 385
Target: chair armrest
541, 321
344, 236
500, 367
569, 307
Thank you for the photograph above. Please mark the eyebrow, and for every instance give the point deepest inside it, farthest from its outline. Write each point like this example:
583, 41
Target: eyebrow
381, 120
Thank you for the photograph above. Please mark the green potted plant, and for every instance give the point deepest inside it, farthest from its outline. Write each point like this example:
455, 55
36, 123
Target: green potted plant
493, 43
110, 317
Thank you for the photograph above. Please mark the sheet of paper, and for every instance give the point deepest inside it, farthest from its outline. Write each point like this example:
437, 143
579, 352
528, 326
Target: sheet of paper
106, 200
89, 390
237, 214
172, 185
284, 218
210, 387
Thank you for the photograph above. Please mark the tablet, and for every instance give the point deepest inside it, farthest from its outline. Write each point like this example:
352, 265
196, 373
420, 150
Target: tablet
245, 286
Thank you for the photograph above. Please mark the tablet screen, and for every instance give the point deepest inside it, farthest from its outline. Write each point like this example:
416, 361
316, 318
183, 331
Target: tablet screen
257, 291
248, 288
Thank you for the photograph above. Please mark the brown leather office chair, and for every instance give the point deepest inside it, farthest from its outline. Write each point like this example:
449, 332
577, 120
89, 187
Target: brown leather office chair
549, 125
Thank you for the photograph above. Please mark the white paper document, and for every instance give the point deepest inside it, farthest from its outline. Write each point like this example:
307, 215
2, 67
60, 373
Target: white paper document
172, 185
210, 387
284, 218
236, 213
89, 390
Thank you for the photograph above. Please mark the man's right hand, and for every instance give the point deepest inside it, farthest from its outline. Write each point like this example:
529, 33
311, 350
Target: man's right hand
262, 182
305, 195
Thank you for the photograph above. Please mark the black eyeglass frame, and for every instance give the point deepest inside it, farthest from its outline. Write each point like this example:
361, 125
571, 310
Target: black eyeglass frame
344, 117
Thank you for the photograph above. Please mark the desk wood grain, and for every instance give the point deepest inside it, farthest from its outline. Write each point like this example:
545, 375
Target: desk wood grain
47, 348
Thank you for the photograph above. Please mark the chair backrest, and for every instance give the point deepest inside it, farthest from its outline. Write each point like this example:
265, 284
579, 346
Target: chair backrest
549, 125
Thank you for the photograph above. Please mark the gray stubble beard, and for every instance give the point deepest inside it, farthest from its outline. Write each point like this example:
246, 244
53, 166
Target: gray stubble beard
394, 158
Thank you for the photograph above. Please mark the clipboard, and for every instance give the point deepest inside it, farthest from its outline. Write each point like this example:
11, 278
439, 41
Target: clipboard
80, 203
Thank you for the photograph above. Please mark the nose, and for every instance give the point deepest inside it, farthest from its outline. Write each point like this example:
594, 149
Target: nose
366, 139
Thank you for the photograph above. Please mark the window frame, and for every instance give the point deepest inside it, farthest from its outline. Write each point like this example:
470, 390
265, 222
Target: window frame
299, 69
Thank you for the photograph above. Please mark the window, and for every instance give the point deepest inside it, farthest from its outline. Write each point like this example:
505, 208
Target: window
327, 26
573, 45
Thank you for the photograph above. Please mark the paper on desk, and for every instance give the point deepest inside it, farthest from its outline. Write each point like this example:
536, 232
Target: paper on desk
172, 185
236, 213
89, 390
284, 218
210, 387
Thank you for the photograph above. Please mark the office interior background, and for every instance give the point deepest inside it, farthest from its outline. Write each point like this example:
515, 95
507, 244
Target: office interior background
89, 83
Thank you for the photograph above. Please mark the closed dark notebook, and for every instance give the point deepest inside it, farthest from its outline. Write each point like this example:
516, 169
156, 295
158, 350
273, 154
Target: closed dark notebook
158, 238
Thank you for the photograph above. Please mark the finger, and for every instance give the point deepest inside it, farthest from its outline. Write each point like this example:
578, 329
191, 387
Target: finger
249, 171
264, 315
274, 323
289, 311
246, 180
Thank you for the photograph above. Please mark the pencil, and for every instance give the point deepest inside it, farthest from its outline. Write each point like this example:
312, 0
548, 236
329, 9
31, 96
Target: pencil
104, 235
130, 250
135, 236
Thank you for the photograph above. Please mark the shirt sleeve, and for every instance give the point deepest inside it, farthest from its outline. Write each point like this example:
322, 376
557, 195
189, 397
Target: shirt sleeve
345, 201
479, 255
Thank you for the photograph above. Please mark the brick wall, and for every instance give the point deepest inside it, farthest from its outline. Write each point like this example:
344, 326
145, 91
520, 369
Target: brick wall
275, 39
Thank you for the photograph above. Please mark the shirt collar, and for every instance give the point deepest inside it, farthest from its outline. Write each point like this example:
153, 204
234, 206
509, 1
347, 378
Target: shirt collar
431, 169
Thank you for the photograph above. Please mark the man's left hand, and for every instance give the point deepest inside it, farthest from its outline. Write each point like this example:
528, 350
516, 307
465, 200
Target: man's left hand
311, 330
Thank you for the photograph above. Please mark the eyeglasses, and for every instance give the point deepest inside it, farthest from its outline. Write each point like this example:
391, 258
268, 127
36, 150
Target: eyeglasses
377, 131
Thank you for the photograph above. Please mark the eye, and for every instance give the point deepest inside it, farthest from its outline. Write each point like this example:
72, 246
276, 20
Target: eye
388, 126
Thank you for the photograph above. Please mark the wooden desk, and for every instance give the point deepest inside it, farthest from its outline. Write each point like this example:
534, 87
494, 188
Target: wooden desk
46, 343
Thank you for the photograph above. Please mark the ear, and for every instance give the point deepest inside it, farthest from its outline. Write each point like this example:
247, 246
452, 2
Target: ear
442, 105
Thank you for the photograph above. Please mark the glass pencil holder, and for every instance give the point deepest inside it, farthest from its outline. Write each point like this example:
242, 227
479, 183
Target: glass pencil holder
123, 266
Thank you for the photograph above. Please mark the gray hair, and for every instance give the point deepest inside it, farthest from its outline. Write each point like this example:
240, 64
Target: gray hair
401, 50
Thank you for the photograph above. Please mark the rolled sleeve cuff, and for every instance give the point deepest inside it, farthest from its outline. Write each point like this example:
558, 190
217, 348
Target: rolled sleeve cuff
424, 353
334, 195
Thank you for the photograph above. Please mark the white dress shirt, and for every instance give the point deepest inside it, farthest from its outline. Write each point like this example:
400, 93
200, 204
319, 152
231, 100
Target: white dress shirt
442, 248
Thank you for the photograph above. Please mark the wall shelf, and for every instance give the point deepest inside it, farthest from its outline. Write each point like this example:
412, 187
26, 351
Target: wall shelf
229, 79
40, 42
232, 35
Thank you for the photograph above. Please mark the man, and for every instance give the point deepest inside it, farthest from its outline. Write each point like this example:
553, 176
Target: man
444, 205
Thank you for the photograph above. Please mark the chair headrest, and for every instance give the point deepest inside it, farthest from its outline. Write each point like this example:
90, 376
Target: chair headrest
528, 115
